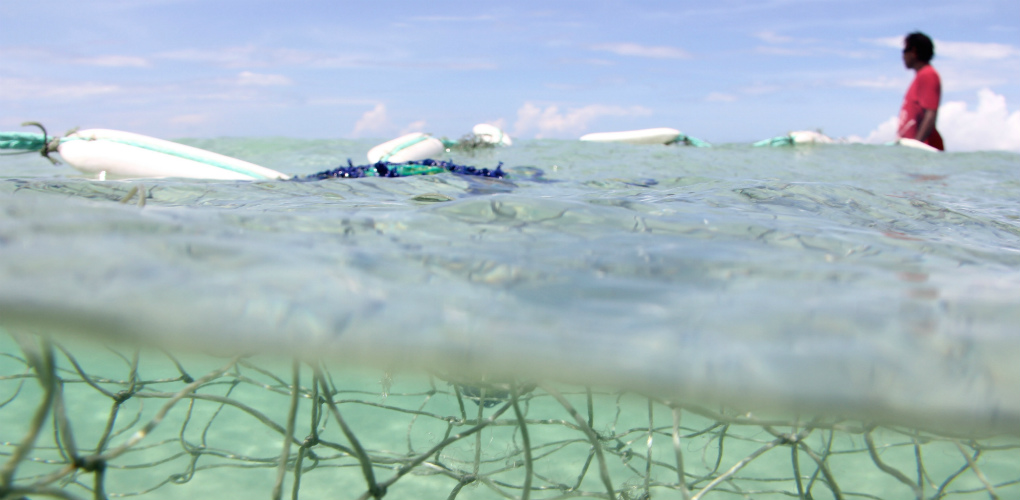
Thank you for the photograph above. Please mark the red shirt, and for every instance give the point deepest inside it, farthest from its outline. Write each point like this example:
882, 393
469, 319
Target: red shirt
924, 93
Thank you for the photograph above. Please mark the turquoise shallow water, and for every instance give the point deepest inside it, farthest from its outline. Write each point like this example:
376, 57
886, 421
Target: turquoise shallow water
868, 282
882, 279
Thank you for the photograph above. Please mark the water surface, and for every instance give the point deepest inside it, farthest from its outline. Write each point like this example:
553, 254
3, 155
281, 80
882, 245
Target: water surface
878, 282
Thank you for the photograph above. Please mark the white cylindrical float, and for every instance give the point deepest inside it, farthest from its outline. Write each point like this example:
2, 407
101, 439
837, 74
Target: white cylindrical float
116, 154
491, 134
809, 137
411, 147
916, 144
661, 135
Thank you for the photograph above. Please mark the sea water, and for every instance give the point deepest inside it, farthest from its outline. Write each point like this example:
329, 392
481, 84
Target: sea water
869, 283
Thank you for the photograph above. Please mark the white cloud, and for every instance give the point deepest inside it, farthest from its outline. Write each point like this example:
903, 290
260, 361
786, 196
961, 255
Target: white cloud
399, 62
418, 126
720, 97
339, 61
17, 89
808, 49
955, 78
761, 89
248, 56
262, 80
892, 42
590, 61
990, 126
35, 53
772, 37
455, 19
62, 57
373, 121
968, 51
453, 65
782, 51
972, 51
969, 78
339, 101
636, 50
230, 57
567, 87
256, 57
886, 132
194, 119
114, 61
551, 121
881, 82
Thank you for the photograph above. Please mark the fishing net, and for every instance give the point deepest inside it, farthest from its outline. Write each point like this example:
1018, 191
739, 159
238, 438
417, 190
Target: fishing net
81, 421
404, 169
470, 143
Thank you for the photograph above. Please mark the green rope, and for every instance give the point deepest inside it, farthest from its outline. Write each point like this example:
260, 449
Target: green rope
27, 142
693, 141
24, 141
780, 141
405, 170
687, 140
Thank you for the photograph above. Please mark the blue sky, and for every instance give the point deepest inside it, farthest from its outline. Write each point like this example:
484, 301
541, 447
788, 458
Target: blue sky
723, 71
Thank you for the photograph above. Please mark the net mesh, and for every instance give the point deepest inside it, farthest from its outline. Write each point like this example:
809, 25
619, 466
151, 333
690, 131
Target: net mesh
418, 167
77, 421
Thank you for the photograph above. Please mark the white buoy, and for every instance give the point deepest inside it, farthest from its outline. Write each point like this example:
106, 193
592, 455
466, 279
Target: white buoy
662, 135
411, 147
112, 154
916, 144
491, 134
810, 137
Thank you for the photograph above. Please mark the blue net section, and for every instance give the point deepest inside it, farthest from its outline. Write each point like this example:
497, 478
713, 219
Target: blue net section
421, 167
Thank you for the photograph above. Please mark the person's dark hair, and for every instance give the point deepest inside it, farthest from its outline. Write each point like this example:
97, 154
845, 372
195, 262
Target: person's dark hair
921, 45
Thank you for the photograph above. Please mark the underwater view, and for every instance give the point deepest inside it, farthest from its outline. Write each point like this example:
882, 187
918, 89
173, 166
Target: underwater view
605, 320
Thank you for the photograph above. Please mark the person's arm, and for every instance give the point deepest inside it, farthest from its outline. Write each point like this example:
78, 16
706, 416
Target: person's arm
926, 125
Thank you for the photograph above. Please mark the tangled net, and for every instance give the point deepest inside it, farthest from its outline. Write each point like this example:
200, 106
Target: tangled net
419, 167
79, 422
471, 143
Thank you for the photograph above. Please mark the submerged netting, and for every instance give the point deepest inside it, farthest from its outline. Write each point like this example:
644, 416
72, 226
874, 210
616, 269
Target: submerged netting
113, 423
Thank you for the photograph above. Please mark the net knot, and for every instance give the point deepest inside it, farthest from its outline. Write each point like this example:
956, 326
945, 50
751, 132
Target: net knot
93, 463
310, 441
122, 396
50, 145
790, 439
377, 491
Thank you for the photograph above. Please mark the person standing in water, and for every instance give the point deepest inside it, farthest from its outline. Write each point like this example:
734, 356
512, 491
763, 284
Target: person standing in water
921, 104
